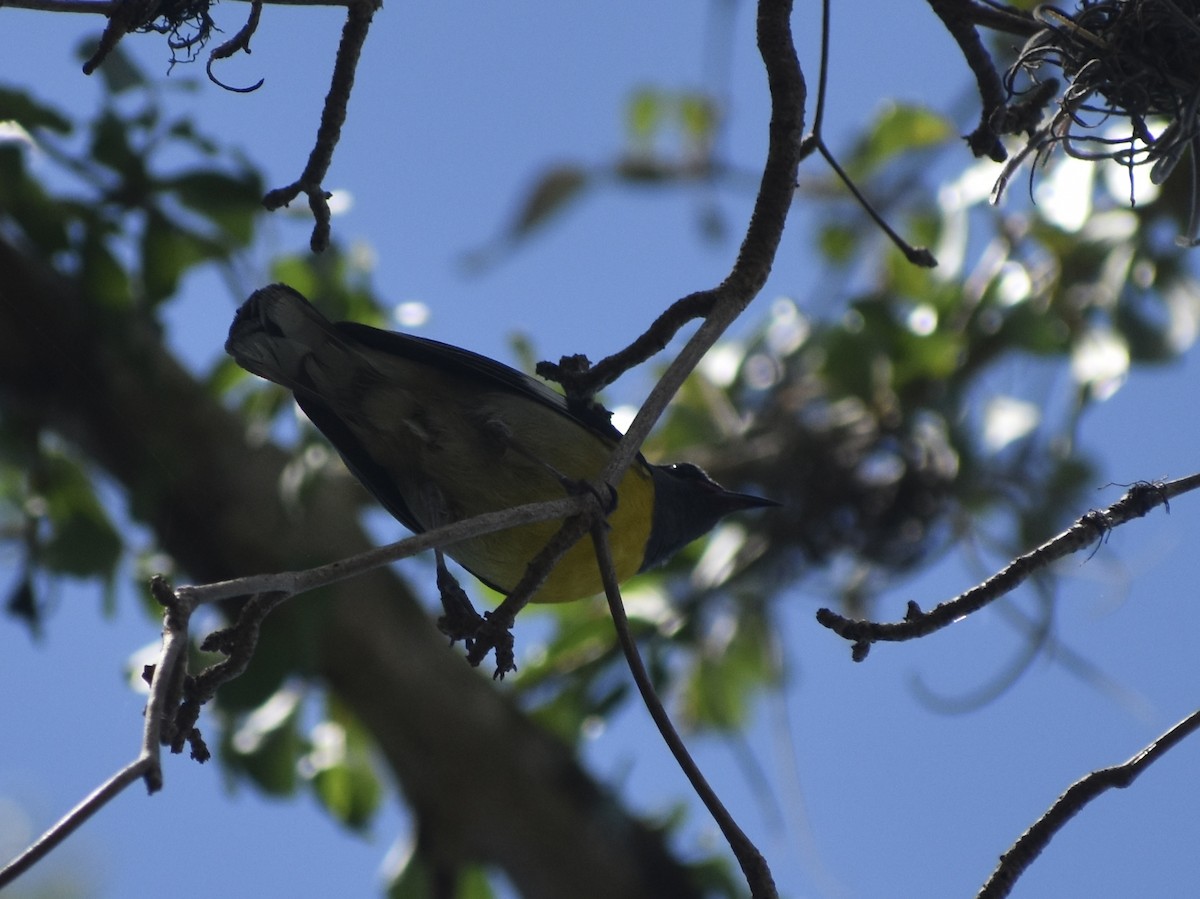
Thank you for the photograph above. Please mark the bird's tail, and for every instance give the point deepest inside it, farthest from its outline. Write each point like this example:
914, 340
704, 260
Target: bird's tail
278, 335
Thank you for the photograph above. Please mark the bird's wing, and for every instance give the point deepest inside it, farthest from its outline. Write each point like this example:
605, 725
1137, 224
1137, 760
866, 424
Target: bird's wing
488, 372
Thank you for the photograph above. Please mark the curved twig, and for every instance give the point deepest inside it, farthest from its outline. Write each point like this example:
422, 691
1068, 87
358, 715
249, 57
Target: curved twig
916, 255
753, 864
240, 41
984, 140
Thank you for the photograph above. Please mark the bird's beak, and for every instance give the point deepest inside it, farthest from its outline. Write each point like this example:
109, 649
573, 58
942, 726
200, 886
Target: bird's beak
736, 502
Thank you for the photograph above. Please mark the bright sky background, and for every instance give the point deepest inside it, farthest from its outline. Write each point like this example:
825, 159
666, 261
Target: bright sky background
450, 119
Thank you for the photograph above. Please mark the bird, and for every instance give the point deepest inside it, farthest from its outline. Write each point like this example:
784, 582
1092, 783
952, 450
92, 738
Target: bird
438, 434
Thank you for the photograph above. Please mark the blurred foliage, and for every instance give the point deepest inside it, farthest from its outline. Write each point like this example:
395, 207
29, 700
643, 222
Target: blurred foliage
888, 412
670, 138
92, 197
285, 742
417, 879
896, 410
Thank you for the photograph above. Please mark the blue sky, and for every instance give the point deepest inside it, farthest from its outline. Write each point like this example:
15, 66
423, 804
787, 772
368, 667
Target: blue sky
450, 119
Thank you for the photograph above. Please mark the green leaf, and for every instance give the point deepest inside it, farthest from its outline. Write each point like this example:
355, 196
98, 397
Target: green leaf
551, 194
417, 879
267, 745
351, 793
1038, 331
118, 71
184, 130
43, 220
644, 115
344, 779
107, 282
838, 242
111, 147
698, 117
231, 202
297, 272
168, 251
23, 605
899, 129
19, 107
1144, 319
726, 677
926, 357
83, 542
473, 884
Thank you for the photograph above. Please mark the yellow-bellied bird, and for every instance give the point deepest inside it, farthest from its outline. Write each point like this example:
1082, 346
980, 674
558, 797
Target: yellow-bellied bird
439, 434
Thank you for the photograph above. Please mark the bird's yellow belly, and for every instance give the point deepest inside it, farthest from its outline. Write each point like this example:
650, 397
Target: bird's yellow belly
504, 451
501, 558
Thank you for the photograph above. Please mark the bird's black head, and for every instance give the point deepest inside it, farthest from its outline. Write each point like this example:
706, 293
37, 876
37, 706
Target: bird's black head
687, 504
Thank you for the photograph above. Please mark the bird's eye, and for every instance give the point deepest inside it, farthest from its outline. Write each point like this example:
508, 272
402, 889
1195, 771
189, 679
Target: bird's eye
689, 472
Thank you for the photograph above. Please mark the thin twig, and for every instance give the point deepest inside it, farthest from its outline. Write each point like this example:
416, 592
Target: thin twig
102, 7
1141, 498
1001, 17
916, 255
294, 582
823, 70
145, 767
955, 15
582, 381
333, 115
753, 864
816, 141
1025, 850
757, 253
71, 821
240, 41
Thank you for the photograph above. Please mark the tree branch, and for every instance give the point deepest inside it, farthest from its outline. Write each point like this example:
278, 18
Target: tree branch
753, 864
719, 306
1022, 854
956, 16
1095, 525
723, 304
294, 582
105, 7
354, 34
72, 820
